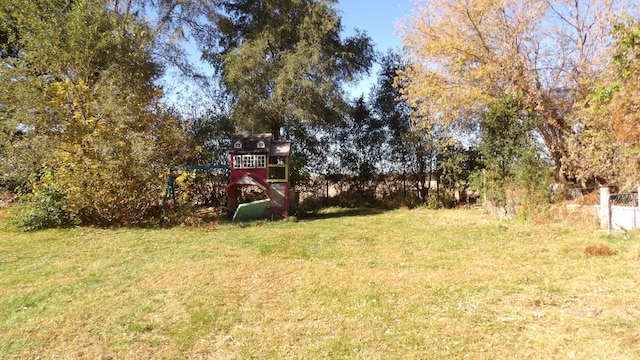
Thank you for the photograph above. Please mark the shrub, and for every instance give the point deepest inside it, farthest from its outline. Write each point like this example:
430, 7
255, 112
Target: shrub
43, 207
515, 173
432, 203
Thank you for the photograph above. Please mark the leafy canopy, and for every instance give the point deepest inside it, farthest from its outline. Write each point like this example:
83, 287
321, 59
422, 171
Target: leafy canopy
80, 94
466, 55
285, 62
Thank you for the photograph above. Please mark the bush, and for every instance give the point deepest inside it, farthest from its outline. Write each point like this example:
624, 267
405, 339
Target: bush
432, 203
515, 177
43, 208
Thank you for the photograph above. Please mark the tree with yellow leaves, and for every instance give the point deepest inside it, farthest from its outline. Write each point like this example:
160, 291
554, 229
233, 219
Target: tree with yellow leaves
467, 54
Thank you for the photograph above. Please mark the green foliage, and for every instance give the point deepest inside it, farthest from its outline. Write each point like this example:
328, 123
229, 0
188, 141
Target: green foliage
409, 149
43, 207
360, 140
432, 203
80, 94
209, 137
393, 111
601, 151
514, 171
604, 94
533, 179
285, 62
455, 164
626, 34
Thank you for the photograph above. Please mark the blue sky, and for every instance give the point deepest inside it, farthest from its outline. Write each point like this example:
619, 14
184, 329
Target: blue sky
378, 19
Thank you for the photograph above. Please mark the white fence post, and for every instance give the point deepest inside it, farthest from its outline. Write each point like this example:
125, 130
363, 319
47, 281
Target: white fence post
605, 211
635, 210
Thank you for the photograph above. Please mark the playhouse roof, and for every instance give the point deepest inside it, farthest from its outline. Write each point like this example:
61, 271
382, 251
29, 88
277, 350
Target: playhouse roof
243, 144
259, 143
280, 148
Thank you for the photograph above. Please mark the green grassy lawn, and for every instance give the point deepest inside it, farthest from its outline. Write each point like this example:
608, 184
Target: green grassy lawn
403, 284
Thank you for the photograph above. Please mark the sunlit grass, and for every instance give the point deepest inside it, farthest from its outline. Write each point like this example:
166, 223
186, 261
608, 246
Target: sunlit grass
400, 284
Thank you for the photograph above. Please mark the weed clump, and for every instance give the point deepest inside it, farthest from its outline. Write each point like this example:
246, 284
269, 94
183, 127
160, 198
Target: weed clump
598, 250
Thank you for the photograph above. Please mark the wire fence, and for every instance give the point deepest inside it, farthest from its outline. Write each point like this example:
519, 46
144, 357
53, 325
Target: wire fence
624, 199
623, 211
617, 211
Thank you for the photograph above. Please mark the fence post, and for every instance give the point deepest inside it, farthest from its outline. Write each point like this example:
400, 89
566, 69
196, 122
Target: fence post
605, 210
635, 210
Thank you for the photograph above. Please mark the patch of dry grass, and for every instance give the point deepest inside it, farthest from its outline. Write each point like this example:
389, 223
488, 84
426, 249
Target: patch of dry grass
402, 284
598, 250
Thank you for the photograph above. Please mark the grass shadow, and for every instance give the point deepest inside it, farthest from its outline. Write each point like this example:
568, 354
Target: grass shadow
338, 212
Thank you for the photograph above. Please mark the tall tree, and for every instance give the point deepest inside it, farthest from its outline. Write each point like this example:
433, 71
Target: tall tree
80, 90
607, 148
625, 106
605, 151
393, 110
421, 151
285, 62
361, 143
624, 109
467, 54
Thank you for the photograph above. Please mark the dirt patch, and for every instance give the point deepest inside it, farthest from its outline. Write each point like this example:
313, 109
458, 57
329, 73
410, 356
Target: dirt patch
598, 250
